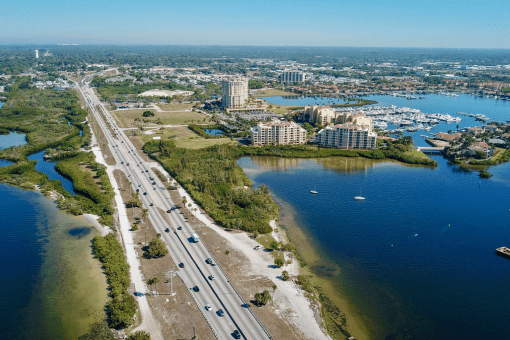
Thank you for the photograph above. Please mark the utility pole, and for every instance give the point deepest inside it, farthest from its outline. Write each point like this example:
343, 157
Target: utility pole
171, 274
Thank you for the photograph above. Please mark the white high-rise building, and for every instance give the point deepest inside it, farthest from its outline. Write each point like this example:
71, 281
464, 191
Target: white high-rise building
36, 54
235, 92
289, 76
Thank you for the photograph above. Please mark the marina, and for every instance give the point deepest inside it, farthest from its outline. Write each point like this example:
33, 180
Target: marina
503, 251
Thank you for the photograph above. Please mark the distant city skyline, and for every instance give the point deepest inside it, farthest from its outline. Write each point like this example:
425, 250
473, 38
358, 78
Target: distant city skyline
363, 23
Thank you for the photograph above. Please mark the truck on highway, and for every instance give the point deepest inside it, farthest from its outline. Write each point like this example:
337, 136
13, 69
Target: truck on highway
195, 238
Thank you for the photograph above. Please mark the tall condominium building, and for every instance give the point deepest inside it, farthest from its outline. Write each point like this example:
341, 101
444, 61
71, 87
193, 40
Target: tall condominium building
235, 92
278, 133
36, 54
292, 77
347, 136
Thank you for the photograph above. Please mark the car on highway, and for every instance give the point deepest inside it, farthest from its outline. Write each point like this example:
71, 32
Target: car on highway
236, 334
180, 228
181, 265
129, 175
196, 289
151, 178
153, 183
145, 193
139, 185
169, 211
209, 261
121, 162
208, 307
146, 170
211, 277
152, 204
221, 312
137, 190
167, 230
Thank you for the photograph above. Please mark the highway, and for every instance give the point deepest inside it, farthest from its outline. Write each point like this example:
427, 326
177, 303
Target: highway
218, 293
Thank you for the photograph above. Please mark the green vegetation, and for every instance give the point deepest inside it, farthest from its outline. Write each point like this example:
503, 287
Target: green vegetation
278, 262
484, 174
156, 249
217, 183
261, 299
122, 307
140, 335
98, 331
148, 114
285, 275
96, 188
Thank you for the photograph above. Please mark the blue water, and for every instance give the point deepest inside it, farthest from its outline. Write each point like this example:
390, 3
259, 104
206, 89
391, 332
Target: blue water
20, 261
12, 139
214, 132
418, 255
69, 123
301, 101
49, 169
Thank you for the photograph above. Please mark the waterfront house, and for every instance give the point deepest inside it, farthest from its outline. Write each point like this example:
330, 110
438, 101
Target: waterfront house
480, 147
475, 130
447, 137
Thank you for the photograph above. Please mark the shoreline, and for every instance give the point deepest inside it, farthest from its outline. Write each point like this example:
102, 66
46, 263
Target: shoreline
290, 297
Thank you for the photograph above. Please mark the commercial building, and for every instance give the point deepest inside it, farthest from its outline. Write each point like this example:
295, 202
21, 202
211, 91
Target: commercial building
36, 54
289, 76
278, 133
351, 135
235, 92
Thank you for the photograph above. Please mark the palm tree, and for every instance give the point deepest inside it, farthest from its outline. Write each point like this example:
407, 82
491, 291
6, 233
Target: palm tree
274, 291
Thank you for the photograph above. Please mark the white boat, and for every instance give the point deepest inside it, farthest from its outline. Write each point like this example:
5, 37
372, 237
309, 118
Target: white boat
359, 198
314, 191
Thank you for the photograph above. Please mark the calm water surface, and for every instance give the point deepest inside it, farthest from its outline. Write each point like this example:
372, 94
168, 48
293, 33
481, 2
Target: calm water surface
48, 168
417, 256
51, 286
214, 132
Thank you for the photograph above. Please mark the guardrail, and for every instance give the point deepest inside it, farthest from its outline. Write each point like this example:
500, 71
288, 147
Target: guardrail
198, 306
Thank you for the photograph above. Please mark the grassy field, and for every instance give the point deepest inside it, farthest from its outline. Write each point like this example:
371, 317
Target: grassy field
497, 154
417, 154
281, 109
126, 118
271, 92
185, 138
175, 107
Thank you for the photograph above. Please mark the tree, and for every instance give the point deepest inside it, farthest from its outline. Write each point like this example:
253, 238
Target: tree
140, 335
285, 275
274, 245
262, 298
148, 114
135, 227
184, 200
145, 214
227, 252
278, 262
156, 248
99, 330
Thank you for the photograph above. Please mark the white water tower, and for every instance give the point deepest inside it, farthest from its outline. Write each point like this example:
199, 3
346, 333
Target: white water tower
36, 54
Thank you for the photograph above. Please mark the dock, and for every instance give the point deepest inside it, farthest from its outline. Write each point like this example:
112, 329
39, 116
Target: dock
503, 251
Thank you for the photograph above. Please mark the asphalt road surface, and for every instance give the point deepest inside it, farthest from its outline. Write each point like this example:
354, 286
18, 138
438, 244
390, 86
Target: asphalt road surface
218, 293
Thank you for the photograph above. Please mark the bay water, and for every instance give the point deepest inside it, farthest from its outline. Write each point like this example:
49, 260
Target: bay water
416, 259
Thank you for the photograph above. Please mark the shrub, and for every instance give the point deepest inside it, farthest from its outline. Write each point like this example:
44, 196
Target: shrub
285, 275
278, 262
157, 248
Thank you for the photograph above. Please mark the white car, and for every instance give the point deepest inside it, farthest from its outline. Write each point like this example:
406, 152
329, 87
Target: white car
208, 307
211, 277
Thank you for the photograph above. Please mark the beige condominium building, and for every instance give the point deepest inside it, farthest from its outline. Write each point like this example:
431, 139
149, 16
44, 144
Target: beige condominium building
291, 76
355, 134
278, 133
235, 92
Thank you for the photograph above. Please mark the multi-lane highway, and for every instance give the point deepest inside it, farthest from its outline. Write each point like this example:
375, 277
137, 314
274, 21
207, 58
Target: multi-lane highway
218, 293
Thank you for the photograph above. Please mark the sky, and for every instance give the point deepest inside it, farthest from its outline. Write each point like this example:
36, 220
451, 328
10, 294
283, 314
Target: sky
361, 23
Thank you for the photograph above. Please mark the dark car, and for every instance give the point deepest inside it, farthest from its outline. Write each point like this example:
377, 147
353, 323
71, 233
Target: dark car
180, 228
221, 312
145, 193
151, 204
196, 289
181, 265
146, 170
121, 162
167, 230
153, 183
139, 185
137, 190
208, 261
237, 335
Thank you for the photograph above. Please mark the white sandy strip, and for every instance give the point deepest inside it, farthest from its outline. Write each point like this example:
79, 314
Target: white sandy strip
103, 230
149, 323
288, 297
